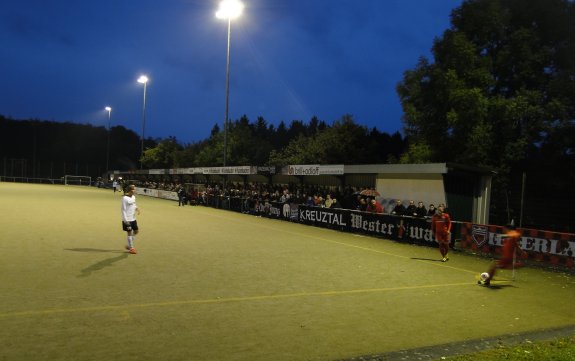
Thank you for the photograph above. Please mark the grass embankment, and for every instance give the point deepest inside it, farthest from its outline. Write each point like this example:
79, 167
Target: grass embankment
562, 349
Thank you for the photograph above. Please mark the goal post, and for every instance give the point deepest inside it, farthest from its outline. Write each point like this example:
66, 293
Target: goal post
78, 180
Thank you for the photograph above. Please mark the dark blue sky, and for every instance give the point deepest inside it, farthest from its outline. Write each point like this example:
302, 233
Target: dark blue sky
65, 60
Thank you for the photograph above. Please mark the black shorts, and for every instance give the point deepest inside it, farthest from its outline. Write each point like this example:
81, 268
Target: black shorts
132, 226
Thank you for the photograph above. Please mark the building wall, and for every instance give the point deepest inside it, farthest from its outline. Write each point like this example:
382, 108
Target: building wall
360, 181
427, 188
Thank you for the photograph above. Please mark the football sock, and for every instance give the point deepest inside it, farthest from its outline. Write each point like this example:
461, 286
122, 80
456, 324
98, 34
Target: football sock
130, 241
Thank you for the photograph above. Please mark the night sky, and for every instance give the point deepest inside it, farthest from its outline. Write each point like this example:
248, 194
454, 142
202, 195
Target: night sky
65, 60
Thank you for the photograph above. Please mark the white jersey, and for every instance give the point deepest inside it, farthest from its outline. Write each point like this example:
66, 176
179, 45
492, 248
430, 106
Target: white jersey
129, 208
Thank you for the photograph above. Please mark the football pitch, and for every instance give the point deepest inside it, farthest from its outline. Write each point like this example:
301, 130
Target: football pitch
209, 284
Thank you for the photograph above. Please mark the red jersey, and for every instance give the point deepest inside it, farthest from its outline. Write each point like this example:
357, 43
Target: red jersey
510, 244
441, 225
375, 207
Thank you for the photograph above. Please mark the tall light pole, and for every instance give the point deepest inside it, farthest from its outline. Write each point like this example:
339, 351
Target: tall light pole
109, 110
143, 80
229, 9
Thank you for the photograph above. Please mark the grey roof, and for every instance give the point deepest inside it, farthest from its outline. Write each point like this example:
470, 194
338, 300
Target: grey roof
425, 168
434, 168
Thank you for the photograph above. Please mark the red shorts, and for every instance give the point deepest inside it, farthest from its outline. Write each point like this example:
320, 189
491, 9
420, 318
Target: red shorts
505, 262
442, 237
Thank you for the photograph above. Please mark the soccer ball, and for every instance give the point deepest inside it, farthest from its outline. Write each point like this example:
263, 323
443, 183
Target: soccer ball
484, 276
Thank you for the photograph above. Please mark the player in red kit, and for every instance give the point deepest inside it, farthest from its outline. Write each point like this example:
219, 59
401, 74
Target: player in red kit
509, 249
441, 228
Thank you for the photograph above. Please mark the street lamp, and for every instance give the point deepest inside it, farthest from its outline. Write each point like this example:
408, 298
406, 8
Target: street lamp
109, 110
143, 80
229, 9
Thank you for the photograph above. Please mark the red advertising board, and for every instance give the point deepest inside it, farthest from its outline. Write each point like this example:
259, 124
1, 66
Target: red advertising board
552, 248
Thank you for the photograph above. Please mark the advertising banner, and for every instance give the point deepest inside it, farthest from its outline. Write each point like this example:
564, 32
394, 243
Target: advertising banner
265, 170
541, 246
406, 229
324, 217
313, 169
157, 193
277, 210
227, 170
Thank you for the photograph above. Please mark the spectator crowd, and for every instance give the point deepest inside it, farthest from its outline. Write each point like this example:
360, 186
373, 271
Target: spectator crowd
254, 194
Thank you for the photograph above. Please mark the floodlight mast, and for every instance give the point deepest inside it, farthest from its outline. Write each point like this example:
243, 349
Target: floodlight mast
143, 79
109, 110
228, 10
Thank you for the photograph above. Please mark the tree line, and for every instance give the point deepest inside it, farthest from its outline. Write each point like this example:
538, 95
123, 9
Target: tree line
249, 143
36, 145
259, 143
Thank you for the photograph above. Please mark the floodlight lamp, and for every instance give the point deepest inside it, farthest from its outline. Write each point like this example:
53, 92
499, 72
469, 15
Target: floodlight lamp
143, 79
109, 109
230, 9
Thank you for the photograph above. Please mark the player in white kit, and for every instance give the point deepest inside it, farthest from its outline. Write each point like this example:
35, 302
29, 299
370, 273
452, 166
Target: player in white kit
129, 211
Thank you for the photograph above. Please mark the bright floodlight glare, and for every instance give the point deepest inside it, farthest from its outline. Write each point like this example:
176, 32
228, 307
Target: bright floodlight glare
108, 109
143, 79
230, 9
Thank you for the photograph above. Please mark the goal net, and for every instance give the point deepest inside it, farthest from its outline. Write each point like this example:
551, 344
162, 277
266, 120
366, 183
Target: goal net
79, 180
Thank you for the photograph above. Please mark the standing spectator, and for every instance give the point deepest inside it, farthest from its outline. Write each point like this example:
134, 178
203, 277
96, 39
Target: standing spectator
411, 209
421, 211
411, 212
310, 202
181, 197
316, 200
374, 206
431, 211
129, 211
335, 203
445, 209
192, 197
115, 185
399, 209
441, 227
356, 202
285, 197
362, 206
328, 201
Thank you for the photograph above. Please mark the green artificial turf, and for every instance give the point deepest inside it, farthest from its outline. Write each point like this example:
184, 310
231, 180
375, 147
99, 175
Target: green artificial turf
208, 284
